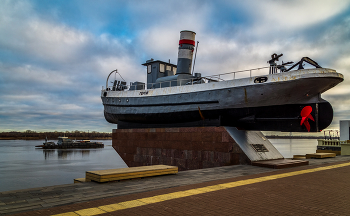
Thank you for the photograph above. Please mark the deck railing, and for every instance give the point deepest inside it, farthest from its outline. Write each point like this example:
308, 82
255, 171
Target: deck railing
232, 75
335, 143
207, 79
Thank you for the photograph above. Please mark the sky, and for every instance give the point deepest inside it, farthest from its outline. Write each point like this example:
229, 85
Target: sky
55, 56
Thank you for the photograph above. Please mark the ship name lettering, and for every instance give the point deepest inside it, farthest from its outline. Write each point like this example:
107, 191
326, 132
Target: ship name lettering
144, 93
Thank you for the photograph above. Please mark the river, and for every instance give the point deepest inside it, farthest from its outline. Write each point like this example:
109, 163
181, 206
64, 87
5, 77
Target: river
22, 166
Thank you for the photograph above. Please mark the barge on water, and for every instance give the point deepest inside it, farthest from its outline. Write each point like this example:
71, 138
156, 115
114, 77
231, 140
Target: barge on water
65, 143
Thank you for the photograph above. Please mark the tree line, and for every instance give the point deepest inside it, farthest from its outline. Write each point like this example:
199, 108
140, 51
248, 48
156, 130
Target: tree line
29, 134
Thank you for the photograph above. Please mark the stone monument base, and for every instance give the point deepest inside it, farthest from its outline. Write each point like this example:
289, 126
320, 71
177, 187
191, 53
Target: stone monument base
187, 148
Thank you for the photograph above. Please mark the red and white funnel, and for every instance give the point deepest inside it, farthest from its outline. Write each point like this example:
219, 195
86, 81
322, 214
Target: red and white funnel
185, 55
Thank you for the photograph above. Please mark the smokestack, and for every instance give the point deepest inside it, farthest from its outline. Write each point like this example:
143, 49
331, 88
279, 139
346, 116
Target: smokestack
186, 48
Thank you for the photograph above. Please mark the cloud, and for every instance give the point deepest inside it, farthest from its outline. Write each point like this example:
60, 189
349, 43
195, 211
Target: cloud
54, 72
38, 38
293, 15
55, 57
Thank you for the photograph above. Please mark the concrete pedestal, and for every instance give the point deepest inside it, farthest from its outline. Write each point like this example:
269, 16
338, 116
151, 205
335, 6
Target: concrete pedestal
187, 148
195, 147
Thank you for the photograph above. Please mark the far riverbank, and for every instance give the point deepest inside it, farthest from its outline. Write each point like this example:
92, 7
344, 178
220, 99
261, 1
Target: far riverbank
33, 135
295, 137
38, 138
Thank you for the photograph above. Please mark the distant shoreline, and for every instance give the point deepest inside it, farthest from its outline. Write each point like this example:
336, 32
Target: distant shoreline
109, 138
33, 135
39, 138
294, 137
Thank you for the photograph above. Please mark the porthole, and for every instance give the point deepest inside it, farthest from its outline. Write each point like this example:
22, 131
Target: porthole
260, 80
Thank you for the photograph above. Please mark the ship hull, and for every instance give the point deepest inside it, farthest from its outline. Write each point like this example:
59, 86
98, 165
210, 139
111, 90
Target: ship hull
273, 105
269, 118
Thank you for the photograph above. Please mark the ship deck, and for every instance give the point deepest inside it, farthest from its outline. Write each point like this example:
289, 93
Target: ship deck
231, 190
229, 83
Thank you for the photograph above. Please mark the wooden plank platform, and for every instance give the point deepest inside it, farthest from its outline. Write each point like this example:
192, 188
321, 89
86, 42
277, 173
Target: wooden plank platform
129, 173
79, 180
299, 157
321, 155
280, 163
328, 151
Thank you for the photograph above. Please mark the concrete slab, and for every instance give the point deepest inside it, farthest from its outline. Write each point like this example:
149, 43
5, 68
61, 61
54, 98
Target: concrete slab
246, 141
299, 157
79, 180
129, 173
328, 151
280, 163
320, 155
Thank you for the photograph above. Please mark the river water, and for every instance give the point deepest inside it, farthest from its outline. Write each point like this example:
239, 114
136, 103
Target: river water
22, 166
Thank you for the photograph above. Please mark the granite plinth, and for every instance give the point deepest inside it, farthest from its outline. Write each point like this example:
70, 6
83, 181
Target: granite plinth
186, 148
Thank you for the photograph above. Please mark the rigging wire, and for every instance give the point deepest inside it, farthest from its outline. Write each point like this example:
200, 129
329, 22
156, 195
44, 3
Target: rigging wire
116, 71
120, 75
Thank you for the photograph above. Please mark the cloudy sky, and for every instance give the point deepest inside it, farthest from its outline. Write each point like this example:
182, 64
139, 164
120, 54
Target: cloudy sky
55, 55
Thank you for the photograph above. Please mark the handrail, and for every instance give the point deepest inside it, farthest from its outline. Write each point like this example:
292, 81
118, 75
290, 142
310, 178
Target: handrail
241, 71
322, 142
210, 78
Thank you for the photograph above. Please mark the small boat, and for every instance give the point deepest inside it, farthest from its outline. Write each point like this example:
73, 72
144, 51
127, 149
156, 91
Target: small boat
66, 143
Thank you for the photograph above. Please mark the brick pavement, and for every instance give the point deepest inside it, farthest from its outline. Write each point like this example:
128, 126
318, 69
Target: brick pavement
44, 197
295, 191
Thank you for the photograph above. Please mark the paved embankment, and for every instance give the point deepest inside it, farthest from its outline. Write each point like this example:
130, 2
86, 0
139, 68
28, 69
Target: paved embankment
228, 190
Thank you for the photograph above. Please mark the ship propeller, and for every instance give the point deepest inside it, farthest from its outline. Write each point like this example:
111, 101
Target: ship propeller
305, 116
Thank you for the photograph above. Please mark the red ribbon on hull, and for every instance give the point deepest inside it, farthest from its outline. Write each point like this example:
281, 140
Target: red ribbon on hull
305, 116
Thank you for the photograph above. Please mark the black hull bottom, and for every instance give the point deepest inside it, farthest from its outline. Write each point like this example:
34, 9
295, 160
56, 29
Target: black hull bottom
285, 118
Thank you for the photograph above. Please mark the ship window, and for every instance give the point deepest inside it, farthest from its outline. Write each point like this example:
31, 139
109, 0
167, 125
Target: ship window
161, 68
149, 68
174, 69
168, 68
260, 80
